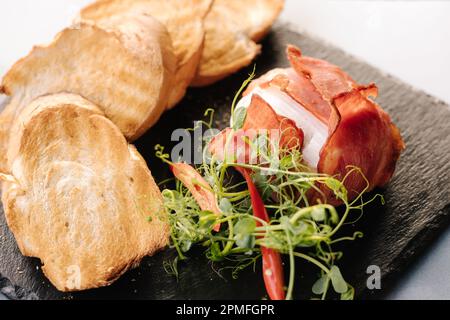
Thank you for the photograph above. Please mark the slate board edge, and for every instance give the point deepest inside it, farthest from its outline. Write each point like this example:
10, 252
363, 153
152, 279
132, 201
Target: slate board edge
409, 256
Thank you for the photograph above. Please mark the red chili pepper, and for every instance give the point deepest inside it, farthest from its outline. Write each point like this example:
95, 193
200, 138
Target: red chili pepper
272, 265
199, 187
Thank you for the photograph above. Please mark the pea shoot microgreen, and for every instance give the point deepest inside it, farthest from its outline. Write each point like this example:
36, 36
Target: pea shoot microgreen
297, 228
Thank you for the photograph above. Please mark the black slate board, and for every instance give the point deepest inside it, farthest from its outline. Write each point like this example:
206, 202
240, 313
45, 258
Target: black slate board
417, 199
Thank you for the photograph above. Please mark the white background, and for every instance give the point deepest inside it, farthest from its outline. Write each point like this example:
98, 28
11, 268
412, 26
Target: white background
408, 39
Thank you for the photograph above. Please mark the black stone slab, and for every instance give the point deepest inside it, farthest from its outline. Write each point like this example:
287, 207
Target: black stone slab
417, 200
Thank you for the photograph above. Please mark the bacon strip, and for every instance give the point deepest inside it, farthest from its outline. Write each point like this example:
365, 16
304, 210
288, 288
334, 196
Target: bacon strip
365, 138
261, 115
260, 118
361, 134
299, 87
329, 79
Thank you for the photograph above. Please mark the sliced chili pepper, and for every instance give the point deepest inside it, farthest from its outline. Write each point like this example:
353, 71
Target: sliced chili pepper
273, 274
272, 266
199, 187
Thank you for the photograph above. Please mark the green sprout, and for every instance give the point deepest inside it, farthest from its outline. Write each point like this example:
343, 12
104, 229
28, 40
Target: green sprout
298, 229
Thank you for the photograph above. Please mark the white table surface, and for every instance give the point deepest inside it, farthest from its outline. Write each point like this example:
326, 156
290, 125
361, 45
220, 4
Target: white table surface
408, 39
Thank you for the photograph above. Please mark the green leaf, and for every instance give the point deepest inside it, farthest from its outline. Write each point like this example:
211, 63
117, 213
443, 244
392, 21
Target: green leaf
225, 206
244, 229
349, 295
214, 252
302, 228
260, 179
318, 214
207, 220
287, 225
337, 187
295, 229
320, 285
325, 228
333, 184
185, 245
239, 118
245, 242
168, 195
283, 182
245, 226
334, 217
337, 280
286, 162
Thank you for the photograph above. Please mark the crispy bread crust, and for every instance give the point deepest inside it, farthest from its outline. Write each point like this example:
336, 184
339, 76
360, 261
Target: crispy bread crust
126, 66
184, 20
233, 28
81, 199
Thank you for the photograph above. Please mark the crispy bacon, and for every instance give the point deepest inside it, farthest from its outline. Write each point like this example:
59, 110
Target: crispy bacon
297, 86
327, 78
366, 138
261, 115
360, 133
261, 118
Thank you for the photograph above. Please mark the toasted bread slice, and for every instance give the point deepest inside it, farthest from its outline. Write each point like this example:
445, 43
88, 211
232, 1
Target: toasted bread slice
233, 28
124, 65
6, 120
184, 21
79, 197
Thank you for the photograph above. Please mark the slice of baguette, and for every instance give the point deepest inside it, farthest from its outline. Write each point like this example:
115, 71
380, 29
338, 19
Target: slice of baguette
125, 66
6, 120
233, 28
184, 21
79, 197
